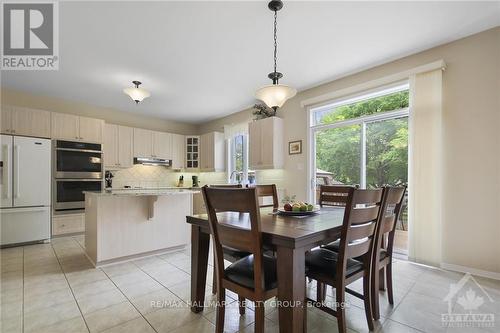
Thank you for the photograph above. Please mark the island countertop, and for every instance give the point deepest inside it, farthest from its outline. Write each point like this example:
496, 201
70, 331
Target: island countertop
143, 192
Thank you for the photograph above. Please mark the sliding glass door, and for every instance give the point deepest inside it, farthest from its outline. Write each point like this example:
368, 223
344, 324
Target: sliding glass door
363, 142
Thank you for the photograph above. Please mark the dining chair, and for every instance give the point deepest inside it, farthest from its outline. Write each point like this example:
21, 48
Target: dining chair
334, 195
392, 206
353, 260
252, 277
266, 191
230, 254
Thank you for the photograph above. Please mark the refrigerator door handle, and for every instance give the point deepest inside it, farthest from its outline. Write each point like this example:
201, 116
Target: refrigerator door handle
16, 175
25, 210
6, 171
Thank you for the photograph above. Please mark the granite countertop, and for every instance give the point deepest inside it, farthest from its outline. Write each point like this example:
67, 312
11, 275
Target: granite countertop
143, 191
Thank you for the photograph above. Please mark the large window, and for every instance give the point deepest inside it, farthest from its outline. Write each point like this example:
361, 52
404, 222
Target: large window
362, 141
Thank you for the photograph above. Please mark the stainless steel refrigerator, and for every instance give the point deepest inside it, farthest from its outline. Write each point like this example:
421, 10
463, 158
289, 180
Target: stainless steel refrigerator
25, 189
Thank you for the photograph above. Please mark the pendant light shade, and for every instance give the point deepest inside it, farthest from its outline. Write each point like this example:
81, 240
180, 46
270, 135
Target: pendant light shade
275, 95
137, 94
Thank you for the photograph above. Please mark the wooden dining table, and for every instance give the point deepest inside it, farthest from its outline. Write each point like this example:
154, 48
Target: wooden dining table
291, 236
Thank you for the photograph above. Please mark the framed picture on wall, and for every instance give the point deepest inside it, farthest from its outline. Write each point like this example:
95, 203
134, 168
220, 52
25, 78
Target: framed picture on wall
295, 147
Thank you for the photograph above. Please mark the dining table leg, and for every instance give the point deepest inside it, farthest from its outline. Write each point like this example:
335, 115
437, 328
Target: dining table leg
200, 243
291, 289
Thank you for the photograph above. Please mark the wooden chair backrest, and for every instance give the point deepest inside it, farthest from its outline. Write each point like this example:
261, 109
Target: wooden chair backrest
391, 210
361, 218
243, 201
334, 195
267, 191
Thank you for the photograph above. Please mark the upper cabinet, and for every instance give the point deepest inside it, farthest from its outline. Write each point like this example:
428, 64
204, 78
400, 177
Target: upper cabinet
162, 145
192, 152
152, 144
25, 121
266, 144
71, 127
178, 151
91, 129
118, 146
212, 152
143, 143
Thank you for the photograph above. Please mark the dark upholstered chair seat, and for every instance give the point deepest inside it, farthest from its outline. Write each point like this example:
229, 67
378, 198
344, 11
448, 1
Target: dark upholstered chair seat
233, 255
335, 248
324, 261
241, 272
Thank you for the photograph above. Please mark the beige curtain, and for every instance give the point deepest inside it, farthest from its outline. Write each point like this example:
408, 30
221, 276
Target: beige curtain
425, 168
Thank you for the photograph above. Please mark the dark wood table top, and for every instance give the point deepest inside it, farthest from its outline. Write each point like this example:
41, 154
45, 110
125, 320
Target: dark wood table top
287, 231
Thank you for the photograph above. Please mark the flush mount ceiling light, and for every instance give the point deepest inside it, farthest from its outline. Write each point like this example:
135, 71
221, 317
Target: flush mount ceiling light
275, 95
137, 94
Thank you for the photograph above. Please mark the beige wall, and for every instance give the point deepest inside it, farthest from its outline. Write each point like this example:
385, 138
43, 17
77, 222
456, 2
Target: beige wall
471, 90
17, 98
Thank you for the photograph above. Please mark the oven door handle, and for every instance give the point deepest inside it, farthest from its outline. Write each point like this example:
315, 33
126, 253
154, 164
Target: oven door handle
80, 150
96, 180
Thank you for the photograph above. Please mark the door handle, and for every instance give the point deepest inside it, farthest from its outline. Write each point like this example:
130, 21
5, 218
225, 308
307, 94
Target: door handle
16, 162
6, 171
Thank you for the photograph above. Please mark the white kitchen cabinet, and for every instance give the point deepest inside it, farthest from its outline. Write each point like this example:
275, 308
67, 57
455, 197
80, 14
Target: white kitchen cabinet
90, 129
266, 146
25, 121
143, 143
65, 126
68, 224
110, 146
162, 145
30, 122
70, 127
118, 146
178, 151
6, 124
212, 152
125, 146
192, 152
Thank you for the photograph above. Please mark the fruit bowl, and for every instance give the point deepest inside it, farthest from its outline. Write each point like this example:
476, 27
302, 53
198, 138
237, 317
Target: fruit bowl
298, 209
281, 211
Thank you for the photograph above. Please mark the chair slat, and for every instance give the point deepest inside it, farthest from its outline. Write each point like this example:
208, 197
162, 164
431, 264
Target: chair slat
387, 223
358, 249
361, 231
335, 195
363, 215
236, 238
367, 196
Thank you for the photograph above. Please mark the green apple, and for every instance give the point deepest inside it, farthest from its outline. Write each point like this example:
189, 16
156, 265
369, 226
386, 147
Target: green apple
296, 208
310, 207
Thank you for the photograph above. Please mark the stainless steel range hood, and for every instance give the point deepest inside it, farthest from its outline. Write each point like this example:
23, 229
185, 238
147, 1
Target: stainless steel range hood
153, 161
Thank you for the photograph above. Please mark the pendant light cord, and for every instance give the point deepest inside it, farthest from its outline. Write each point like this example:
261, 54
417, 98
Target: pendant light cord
275, 39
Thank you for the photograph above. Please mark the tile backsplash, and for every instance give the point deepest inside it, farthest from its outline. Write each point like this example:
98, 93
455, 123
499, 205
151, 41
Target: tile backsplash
159, 176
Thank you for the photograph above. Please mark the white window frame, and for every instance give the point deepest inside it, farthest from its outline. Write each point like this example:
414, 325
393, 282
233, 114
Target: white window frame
362, 121
231, 159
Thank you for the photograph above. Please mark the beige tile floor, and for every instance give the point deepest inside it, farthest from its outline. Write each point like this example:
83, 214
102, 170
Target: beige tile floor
54, 288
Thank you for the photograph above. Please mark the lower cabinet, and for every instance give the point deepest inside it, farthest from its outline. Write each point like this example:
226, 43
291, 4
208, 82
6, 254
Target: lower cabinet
68, 224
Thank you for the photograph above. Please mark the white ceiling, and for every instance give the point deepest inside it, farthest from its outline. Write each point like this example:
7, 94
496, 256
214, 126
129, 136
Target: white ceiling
204, 60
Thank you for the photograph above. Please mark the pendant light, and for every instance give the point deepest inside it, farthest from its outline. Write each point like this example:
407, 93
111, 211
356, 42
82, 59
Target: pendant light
137, 94
275, 95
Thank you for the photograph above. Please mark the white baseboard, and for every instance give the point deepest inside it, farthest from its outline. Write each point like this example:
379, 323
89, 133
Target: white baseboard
473, 271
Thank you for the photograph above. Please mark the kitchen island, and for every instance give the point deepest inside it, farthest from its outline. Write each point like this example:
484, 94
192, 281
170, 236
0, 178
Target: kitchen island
126, 224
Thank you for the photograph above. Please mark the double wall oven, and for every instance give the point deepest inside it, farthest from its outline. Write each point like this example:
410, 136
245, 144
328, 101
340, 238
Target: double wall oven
78, 167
